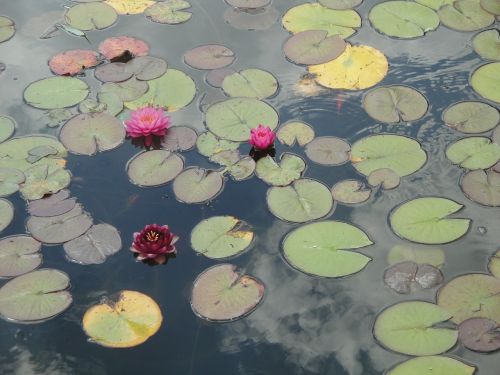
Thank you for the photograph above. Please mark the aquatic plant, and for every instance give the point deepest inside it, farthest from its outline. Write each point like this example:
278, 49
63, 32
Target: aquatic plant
146, 123
262, 137
154, 242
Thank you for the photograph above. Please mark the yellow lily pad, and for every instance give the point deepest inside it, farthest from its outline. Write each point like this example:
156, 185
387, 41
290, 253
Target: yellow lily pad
130, 6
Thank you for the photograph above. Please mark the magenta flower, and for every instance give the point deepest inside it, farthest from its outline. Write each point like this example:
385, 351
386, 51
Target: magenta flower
155, 243
262, 137
147, 122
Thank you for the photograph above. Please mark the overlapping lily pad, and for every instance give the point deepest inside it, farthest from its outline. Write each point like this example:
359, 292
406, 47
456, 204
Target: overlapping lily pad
126, 91
56, 92
208, 144
350, 192
7, 127
91, 16
482, 187
153, 168
73, 62
147, 68
221, 237
44, 179
197, 185
491, 6
54, 205
179, 138
486, 80
474, 153
402, 276
465, 15
432, 365
7, 29
113, 72
289, 169
313, 47
18, 255
209, 56
471, 117
171, 12
239, 168
420, 255
223, 294
10, 179
295, 132
487, 44
216, 77
328, 151
479, 334
250, 83
494, 264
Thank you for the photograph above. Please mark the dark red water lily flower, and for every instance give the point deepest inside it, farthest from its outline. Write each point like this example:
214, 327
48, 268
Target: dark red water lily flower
154, 243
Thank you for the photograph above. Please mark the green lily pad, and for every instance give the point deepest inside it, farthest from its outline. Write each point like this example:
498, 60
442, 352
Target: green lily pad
288, 170
179, 138
302, 201
420, 255
209, 57
491, 6
408, 328
221, 237
238, 168
482, 187
486, 80
55, 117
494, 264
317, 17
340, 4
10, 178
7, 127
126, 91
232, 119
91, 16
6, 213
172, 91
323, 249
39, 152
465, 15
328, 151
393, 104
474, 295
35, 296
89, 133
471, 117
313, 47
7, 29
435, 4
44, 179
170, 12
384, 177
426, 220
474, 153
19, 255
401, 154
250, 83
432, 365
487, 44
154, 168
197, 185
403, 19
56, 92
114, 104
208, 144
91, 106
295, 132
350, 192
222, 294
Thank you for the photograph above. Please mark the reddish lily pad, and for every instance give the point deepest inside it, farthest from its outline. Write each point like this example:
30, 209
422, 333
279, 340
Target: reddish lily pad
401, 276
197, 185
385, 177
114, 47
350, 192
54, 205
10, 178
312, 47
73, 62
179, 138
113, 72
18, 255
210, 56
482, 187
479, 334
153, 168
328, 151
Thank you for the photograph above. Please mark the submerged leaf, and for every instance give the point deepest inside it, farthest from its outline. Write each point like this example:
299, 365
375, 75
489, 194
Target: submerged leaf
420, 255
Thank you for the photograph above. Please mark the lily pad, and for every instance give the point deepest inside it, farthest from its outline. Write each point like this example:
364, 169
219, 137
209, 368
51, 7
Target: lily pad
147, 68
420, 255
295, 132
288, 170
328, 151
323, 249
89, 133
340, 4
18, 255
432, 365
232, 119
248, 4
473, 295
209, 56
238, 168
302, 201
482, 187
313, 47
39, 152
54, 205
35, 296
251, 19
393, 104
491, 6
7, 127
197, 185
91, 16
317, 17
171, 12
350, 192
126, 91
474, 153
471, 117
222, 294
128, 322
56, 92
130, 6
479, 334
172, 91
179, 138
385, 177
494, 264
408, 328
44, 179
215, 77
60, 228
402, 276
73, 62
221, 237
357, 68
154, 168
250, 83
486, 80
487, 44
435, 4
114, 47
98, 243
208, 144
465, 15
113, 72
7, 29
113, 102
10, 178
426, 220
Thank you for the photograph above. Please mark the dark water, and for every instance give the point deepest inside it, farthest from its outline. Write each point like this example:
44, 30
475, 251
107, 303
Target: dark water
305, 325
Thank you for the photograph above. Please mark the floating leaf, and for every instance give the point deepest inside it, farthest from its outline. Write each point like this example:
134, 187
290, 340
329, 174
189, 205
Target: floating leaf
98, 243
408, 328
126, 91
221, 237
232, 119
222, 294
7, 29
482, 187
401, 154
474, 153
179, 138
474, 295
153, 168
491, 6
486, 80
288, 170
172, 91
60, 228
91, 16
226, 158
208, 144
113, 72
340, 4
242, 169
250, 83
357, 68
487, 44
249, 4
255, 19
435, 4
471, 117
328, 151
494, 264
317, 17
54, 205
401, 276
56, 92
44, 179
479, 334
295, 131
73, 62
313, 47
114, 47
216, 77
7, 127
10, 178
302, 201
39, 152
433, 365
129, 321
395, 103
465, 15
323, 249
385, 177
197, 185
147, 68
350, 192
420, 255
35, 296
130, 6
209, 56
18, 255
169, 11
113, 102
6, 213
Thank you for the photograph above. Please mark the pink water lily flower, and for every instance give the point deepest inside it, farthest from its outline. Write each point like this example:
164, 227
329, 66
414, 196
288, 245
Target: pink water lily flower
147, 122
262, 137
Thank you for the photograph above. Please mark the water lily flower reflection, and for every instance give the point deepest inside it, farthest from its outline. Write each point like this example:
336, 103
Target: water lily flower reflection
262, 137
155, 243
147, 122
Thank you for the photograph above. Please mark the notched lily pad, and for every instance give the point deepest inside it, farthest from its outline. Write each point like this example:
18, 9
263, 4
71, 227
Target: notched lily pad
313, 47
44, 179
474, 153
216, 77
113, 48
197, 185
7, 29
91, 16
385, 177
147, 68
402, 276
289, 169
179, 138
154, 168
128, 90
350, 192
171, 12
295, 132
465, 15
208, 144
328, 151
113, 72
482, 187
10, 178
56, 92
18, 255
485, 81
73, 62
53, 205
209, 56
487, 44
471, 117
250, 83
479, 334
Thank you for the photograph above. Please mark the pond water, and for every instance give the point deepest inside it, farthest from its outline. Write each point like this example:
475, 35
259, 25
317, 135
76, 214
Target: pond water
305, 324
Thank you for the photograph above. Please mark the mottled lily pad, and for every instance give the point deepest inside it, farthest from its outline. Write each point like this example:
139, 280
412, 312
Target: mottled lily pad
91, 16
55, 117
474, 153
250, 83
313, 47
350, 192
171, 12
44, 179
465, 15
128, 322
153, 168
197, 185
147, 68
401, 276
35, 296
18, 255
56, 92
328, 151
432, 365
7, 29
114, 47
289, 169
113, 72
295, 132
223, 294
426, 220
208, 144
479, 334
10, 178
408, 328
482, 187
302, 201
420, 255
323, 249
7, 127
54, 205
471, 117
73, 62
126, 91
486, 80
487, 44
221, 237
179, 138
209, 56
384, 177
